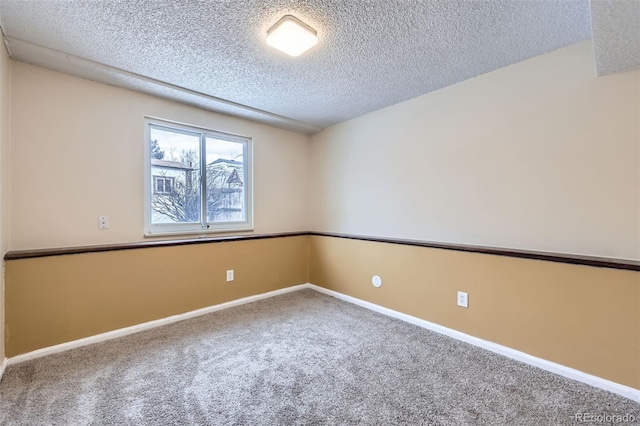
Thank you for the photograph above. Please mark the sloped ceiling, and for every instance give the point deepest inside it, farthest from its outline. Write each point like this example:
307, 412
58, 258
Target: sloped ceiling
213, 54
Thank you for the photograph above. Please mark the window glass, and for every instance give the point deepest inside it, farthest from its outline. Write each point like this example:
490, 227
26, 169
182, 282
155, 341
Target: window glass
198, 180
225, 180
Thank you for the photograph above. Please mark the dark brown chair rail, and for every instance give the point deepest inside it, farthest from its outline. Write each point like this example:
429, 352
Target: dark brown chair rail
602, 262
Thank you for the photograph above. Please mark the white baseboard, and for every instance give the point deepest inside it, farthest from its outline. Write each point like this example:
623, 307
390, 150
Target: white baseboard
3, 366
144, 326
580, 376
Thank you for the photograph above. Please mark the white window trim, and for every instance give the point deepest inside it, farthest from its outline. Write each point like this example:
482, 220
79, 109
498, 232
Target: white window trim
155, 230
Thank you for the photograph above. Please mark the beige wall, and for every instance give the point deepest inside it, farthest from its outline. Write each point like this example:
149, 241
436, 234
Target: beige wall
62, 298
583, 317
78, 153
5, 163
541, 155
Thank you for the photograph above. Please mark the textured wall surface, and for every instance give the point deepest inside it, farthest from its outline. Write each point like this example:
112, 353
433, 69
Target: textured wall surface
542, 155
78, 153
370, 54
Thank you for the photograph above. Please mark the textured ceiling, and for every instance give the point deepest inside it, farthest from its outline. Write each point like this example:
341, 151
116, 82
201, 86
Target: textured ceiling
616, 34
370, 54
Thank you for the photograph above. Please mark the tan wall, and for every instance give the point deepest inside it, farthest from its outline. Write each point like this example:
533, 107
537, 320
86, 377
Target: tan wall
78, 153
540, 155
5, 175
583, 317
57, 299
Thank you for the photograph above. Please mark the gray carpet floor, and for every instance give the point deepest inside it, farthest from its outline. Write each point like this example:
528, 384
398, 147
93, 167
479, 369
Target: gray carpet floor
300, 358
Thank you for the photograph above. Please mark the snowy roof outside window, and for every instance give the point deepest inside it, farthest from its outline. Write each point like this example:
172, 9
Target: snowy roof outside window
170, 164
233, 169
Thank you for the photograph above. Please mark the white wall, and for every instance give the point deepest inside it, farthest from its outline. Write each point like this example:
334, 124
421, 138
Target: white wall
78, 153
541, 155
5, 175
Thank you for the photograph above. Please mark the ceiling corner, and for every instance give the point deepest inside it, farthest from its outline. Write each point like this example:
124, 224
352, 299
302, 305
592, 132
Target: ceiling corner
615, 26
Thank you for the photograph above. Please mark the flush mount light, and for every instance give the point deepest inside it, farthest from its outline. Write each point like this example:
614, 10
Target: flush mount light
292, 36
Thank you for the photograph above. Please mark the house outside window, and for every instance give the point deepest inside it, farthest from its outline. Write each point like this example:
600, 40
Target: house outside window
197, 180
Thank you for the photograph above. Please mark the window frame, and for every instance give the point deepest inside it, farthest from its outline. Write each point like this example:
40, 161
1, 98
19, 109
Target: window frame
203, 227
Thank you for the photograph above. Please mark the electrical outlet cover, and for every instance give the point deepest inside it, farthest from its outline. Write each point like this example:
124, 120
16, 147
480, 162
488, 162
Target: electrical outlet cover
463, 299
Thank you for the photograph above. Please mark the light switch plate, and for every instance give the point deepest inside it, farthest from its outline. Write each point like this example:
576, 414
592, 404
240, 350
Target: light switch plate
103, 222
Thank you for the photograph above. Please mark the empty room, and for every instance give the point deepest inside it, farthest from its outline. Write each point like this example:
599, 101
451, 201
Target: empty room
320, 212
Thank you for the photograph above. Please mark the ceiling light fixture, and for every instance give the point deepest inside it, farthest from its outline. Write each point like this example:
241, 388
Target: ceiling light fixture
292, 36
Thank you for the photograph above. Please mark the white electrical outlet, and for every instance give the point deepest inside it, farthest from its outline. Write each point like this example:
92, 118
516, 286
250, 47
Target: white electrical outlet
103, 222
230, 275
463, 299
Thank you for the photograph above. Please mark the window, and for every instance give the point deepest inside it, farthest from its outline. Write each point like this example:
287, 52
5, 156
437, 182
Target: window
162, 184
196, 180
